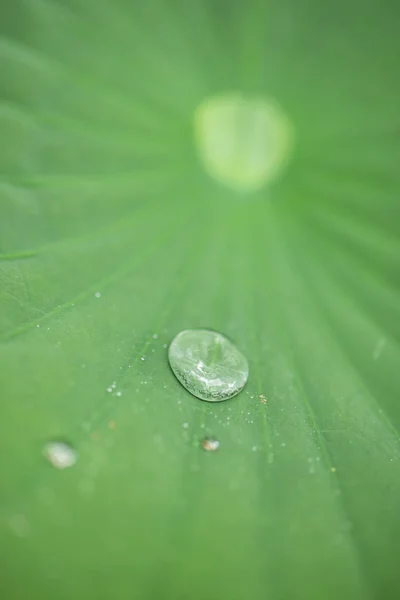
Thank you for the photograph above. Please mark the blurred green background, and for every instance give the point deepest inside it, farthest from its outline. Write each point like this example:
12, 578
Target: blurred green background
113, 238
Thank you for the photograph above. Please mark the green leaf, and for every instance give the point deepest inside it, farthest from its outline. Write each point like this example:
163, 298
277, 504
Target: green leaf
113, 238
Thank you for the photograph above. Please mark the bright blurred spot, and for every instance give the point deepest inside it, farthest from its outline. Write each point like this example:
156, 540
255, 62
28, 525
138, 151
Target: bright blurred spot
243, 142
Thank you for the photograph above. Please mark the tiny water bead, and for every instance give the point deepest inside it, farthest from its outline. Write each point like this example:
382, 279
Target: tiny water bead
243, 142
60, 454
210, 444
207, 364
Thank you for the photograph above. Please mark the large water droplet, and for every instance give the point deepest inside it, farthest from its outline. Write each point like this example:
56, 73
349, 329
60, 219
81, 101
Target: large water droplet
60, 454
244, 142
208, 365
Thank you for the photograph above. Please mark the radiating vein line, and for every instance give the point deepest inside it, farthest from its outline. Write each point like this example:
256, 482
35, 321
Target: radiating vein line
124, 177
372, 283
356, 207
373, 274
69, 243
281, 249
200, 419
363, 235
20, 255
103, 283
379, 412
254, 253
174, 294
48, 122
338, 344
177, 289
44, 63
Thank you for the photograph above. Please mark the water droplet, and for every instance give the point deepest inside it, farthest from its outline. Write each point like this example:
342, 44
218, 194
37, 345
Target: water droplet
142, 357
97, 294
208, 365
254, 448
164, 345
109, 389
210, 444
60, 454
155, 336
244, 142
119, 394
185, 425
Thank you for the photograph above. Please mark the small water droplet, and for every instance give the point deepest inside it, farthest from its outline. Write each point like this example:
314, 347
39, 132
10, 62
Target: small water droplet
142, 358
165, 345
119, 394
185, 425
60, 454
208, 365
97, 294
109, 389
155, 336
254, 448
210, 444
38, 325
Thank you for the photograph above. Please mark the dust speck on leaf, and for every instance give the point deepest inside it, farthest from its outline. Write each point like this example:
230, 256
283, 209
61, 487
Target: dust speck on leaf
210, 444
